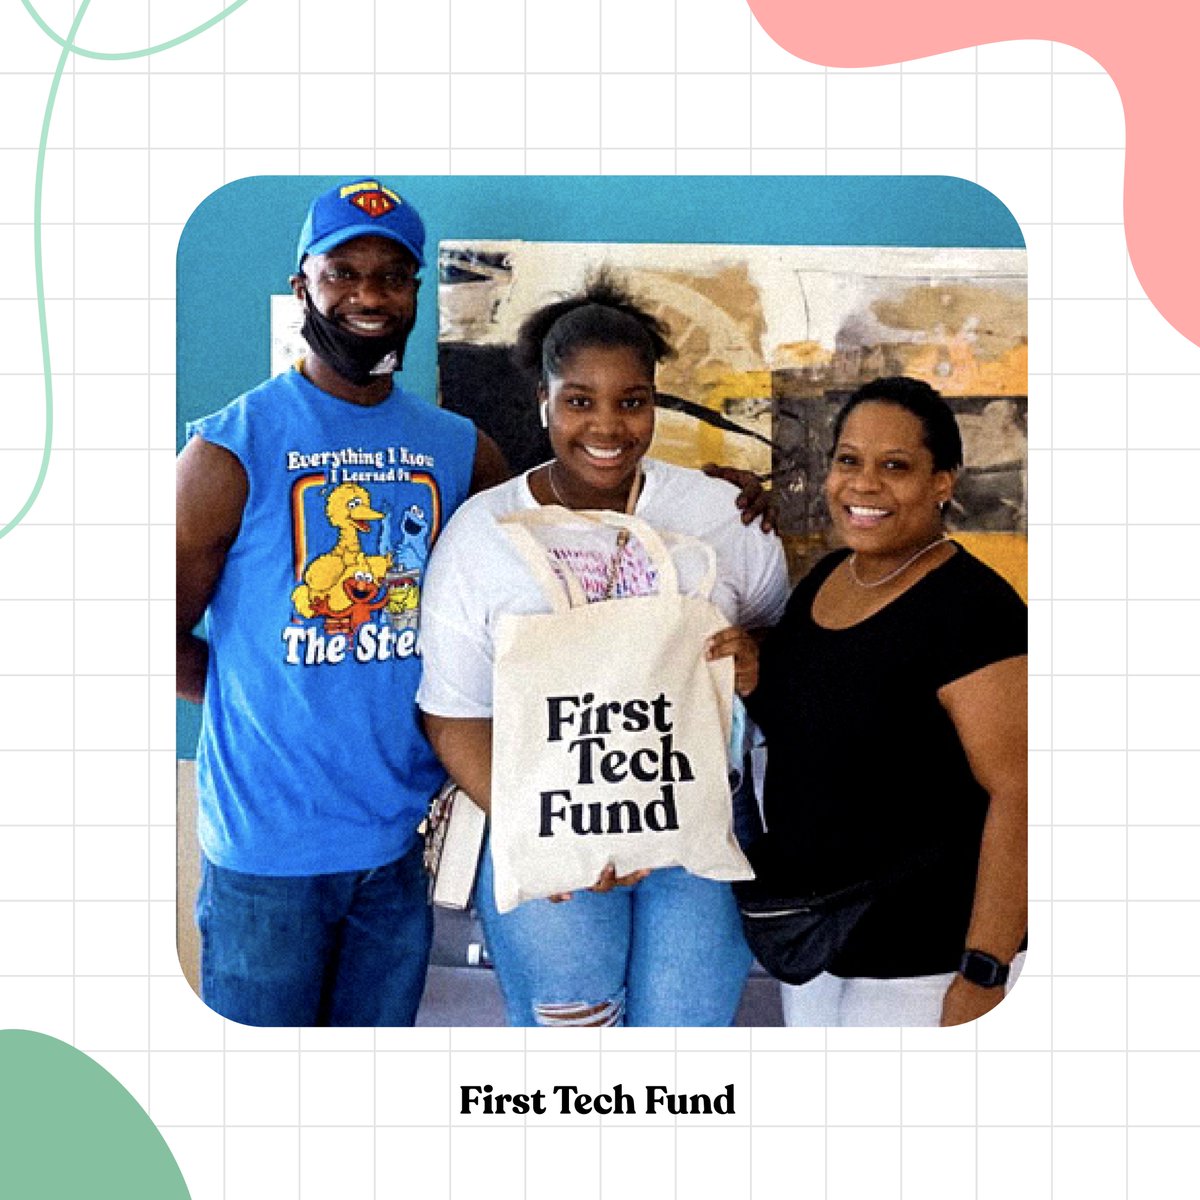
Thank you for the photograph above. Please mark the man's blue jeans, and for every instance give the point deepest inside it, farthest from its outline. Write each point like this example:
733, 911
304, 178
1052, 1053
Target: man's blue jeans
342, 949
667, 951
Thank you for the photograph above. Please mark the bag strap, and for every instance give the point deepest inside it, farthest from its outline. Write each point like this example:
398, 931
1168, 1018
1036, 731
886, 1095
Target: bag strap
533, 553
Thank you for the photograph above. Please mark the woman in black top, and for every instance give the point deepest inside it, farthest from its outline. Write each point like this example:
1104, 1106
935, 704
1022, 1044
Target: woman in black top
893, 698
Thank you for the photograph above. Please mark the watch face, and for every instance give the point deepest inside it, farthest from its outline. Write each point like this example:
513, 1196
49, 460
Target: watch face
982, 969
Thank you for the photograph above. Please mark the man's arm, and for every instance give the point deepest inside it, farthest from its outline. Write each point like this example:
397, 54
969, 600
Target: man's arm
490, 467
210, 495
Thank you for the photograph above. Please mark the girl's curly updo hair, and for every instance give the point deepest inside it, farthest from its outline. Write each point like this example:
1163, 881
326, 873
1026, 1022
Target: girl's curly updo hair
605, 314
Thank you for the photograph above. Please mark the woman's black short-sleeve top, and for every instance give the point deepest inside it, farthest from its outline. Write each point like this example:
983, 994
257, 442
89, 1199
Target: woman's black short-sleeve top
865, 769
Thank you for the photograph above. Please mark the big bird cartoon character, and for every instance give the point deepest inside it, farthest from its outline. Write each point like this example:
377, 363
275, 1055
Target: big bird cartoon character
350, 512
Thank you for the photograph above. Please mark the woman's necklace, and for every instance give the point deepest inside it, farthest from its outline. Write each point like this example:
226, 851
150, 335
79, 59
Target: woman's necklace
614, 565
908, 562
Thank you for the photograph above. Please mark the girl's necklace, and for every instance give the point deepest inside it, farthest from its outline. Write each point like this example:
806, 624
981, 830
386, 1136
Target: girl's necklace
553, 487
908, 562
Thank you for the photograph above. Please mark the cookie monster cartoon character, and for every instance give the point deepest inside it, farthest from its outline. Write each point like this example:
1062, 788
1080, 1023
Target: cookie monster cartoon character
412, 549
408, 554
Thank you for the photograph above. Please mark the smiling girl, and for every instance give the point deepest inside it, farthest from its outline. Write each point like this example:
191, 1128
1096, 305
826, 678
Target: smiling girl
653, 948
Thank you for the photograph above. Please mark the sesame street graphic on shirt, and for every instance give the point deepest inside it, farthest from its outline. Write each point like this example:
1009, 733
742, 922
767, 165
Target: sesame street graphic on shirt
362, 522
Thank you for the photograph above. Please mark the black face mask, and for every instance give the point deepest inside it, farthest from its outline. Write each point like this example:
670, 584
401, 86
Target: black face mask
352, 355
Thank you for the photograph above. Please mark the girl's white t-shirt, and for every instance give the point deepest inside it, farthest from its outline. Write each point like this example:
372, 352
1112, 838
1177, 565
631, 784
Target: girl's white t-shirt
474, 574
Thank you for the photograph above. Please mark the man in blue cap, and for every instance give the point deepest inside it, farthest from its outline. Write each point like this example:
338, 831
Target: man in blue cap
306, 509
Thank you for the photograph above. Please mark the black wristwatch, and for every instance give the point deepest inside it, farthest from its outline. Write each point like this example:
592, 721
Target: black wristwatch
982, 969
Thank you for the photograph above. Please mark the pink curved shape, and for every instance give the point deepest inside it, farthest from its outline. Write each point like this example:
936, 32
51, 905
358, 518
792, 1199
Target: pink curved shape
1149, 49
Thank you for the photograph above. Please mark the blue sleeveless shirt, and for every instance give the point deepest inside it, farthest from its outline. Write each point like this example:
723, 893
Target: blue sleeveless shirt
311, 756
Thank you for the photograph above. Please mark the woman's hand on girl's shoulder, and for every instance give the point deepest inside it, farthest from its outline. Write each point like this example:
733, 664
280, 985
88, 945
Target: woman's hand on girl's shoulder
755, 500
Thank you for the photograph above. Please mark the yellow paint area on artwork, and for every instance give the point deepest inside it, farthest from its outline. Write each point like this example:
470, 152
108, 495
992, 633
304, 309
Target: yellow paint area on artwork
955, 370
797, 355
742, 397
1006, 553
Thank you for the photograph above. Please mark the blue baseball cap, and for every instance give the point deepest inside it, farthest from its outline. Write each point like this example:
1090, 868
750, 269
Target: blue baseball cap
364, 208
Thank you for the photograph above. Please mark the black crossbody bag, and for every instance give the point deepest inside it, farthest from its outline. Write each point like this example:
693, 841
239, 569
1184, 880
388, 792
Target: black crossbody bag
796, 937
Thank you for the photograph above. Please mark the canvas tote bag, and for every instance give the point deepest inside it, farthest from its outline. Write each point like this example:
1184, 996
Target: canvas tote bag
609, 727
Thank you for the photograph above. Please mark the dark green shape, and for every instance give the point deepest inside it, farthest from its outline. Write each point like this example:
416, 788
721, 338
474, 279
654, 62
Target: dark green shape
70, 1131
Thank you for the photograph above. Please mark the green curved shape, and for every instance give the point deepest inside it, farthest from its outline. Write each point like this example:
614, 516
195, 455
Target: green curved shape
68, 48
37, 270
120, 55
69, 1130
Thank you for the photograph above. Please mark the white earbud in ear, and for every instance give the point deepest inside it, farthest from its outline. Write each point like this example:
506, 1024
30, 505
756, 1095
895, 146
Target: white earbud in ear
544, 410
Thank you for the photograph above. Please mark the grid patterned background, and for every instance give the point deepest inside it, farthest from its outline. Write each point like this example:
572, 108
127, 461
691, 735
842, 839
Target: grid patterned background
1082, 1083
